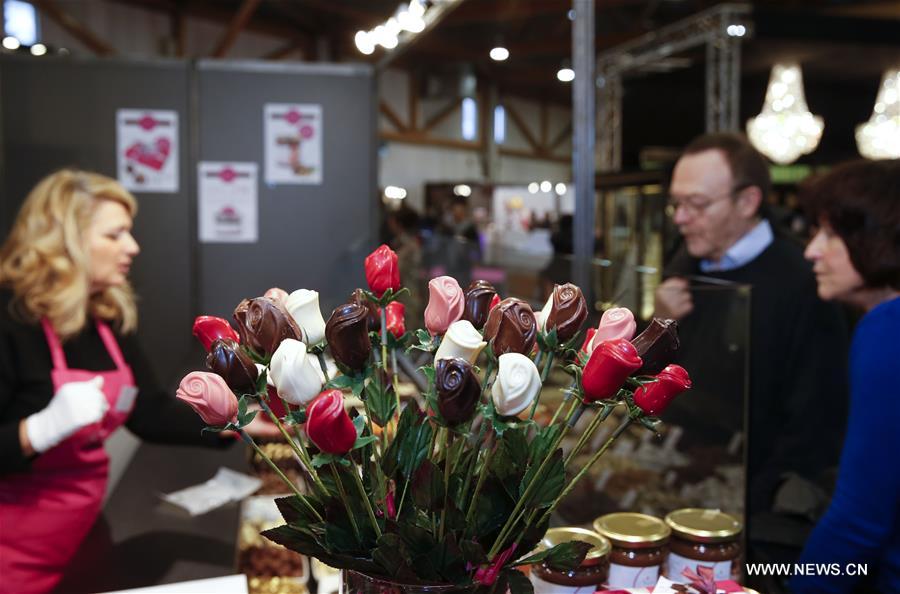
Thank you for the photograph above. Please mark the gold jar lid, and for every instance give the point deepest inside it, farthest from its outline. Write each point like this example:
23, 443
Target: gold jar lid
632, 530
703, 525
600, 548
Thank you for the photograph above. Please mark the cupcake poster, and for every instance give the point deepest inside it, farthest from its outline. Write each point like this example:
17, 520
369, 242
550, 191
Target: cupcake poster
293, 143
147, 149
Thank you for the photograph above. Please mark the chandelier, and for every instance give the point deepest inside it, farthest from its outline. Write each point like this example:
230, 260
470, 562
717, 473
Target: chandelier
785, 129
879, 138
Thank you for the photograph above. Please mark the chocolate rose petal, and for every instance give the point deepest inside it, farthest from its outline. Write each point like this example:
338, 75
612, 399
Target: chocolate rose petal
657, 345
374, 319
511, 327
568, 313
263, 324
227, 360
479, 296
458, 389
347, 334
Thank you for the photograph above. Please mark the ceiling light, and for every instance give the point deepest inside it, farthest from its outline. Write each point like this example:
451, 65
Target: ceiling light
879, 138
533, 188
560, 189
566, 74
383, 37
416, 8
11, 43
394, 193
38, 49
736, 30
463, 190
546, 186
785, 129
364, 42
498, 54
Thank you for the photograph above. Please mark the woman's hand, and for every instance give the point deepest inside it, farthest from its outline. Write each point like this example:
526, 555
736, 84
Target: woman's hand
74, 406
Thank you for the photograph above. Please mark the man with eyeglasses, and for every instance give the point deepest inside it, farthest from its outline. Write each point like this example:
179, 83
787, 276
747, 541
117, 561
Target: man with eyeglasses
797, 343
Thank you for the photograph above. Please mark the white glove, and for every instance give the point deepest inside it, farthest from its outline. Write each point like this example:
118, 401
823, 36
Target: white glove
74, 406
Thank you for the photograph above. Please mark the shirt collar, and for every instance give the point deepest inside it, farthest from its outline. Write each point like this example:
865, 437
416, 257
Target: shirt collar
744, 250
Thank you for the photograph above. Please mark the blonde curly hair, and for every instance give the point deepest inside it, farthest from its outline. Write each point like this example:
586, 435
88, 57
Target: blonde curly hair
44, 260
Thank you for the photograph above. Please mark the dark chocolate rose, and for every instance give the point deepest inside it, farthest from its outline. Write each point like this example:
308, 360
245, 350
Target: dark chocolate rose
347, 334
263, 324
511, 327
458, 389
568, 312
227, 360
479, 296
374, 320
656, 345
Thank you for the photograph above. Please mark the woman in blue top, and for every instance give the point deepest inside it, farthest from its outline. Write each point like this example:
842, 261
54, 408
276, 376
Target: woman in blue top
856, 259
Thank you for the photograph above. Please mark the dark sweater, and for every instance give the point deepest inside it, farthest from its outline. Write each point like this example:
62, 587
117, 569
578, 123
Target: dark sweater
862, 524
797, 365
26, 387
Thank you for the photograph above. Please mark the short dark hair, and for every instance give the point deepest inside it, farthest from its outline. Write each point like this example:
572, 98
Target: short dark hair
860, 201
748, 167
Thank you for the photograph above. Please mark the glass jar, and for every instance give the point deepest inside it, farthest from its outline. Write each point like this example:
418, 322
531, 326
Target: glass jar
638, 548
705, 537
586, 578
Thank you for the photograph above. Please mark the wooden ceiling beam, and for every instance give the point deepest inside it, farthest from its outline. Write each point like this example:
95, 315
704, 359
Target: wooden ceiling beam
523, 127
442, 114
74, 27
238, 22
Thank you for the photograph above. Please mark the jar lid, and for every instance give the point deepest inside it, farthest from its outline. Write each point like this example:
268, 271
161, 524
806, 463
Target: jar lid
600, 548
703, 525
632, 530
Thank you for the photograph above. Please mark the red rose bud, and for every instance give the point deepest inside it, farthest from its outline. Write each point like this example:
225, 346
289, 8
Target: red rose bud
227, 360
609, 366
348, 336
209, 397
654, 398
263, 324
568, 313
494, 303
586, 345
208, 329
374, 319
393, 315
328, 425
382, 272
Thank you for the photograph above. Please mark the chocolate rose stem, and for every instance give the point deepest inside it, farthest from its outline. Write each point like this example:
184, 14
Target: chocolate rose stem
588, 433
446, 445
481, 476
277, 470
299, 450
321, 357
544, 375
343, 494
619, 430
365, 497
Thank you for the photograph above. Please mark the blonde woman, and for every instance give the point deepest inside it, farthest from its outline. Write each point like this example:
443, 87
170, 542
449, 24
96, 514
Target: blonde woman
70, 369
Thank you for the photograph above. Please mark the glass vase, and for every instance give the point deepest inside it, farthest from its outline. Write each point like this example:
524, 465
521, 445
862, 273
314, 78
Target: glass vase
354, 582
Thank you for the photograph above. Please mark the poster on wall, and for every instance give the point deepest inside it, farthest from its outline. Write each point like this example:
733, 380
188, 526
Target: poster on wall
147, 149
227, 202
293, 143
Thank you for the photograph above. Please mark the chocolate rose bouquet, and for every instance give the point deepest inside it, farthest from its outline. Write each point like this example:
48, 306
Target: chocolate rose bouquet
457, 490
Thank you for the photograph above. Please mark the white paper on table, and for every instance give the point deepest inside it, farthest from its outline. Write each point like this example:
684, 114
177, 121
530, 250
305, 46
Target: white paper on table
147, 149
230, 584
226, 486
292, 143
227, 204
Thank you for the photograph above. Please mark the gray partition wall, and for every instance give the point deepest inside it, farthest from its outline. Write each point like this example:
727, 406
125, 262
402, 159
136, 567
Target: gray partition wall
61, 112
310, 236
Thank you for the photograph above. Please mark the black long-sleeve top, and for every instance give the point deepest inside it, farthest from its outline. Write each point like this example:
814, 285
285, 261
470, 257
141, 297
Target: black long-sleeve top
26, 387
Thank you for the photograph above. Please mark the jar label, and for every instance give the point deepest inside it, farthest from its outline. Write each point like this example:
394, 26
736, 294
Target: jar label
544, 587
677, 564
623, 576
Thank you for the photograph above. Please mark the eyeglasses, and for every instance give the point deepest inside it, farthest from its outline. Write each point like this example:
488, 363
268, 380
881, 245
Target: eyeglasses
697, 204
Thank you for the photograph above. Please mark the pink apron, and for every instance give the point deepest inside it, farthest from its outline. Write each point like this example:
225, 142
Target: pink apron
46, 512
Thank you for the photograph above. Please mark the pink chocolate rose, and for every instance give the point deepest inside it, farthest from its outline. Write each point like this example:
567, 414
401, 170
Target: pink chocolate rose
617, 322
277, 295
446, 303
209, 396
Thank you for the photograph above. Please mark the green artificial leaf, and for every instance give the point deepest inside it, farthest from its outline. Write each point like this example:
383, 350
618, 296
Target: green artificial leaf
362, 442
549, 485
473, 552
293, 511
296, 417
492, 507
428, 487
321, 459
515, 443
651, 423
340, 382
565, 556
300, 541
448, 559
261, 384
340, 539
381, 399
392, 557
543, 441
517, 582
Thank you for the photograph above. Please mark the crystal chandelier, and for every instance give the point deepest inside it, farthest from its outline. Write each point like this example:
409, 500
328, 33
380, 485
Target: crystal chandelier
879, 138
785, 129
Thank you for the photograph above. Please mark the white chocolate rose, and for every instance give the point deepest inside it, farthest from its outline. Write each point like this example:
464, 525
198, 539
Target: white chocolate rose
517, 385
461, 340
303, 305
541, 316
295, 374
